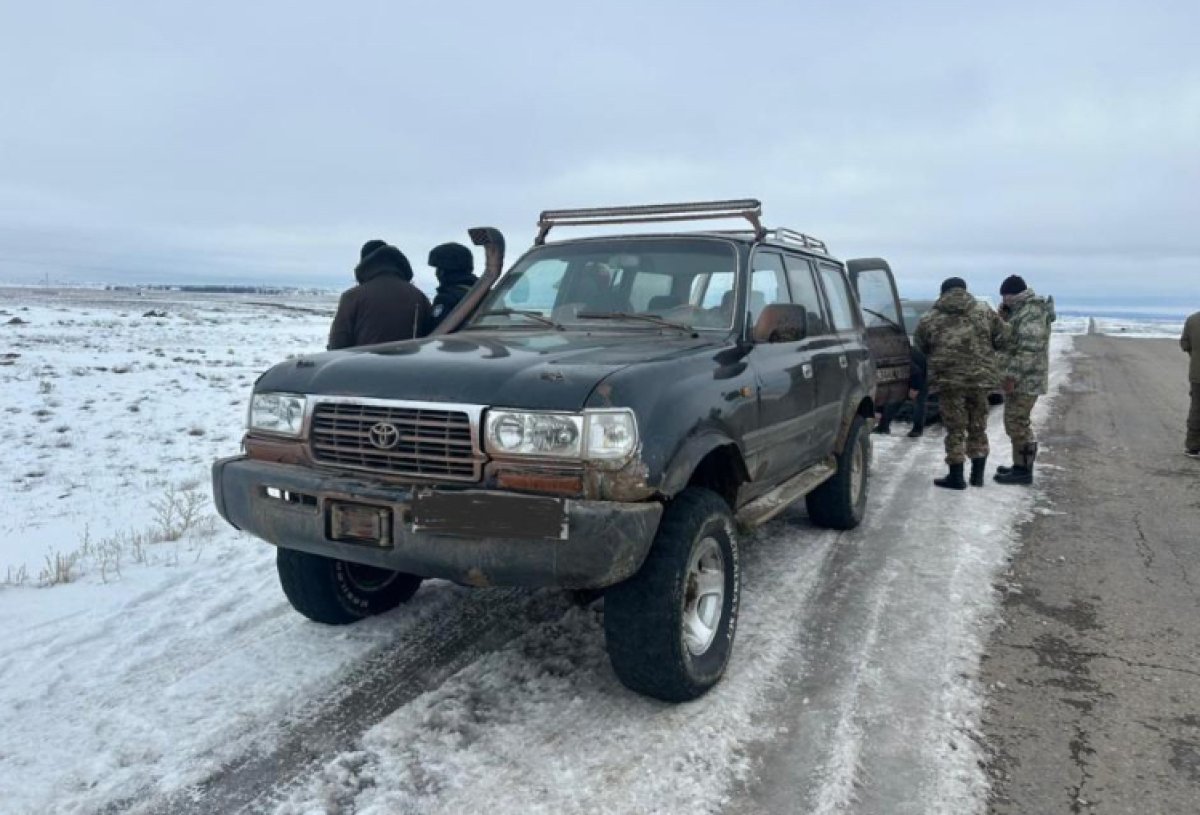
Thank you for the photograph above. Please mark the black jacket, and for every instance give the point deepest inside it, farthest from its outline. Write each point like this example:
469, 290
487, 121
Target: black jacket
917, 372
450, 292
382, 308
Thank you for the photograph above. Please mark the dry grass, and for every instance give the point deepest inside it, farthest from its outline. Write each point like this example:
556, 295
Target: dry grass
180, 512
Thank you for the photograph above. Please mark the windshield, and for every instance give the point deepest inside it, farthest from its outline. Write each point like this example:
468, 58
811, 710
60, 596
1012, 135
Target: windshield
686, 281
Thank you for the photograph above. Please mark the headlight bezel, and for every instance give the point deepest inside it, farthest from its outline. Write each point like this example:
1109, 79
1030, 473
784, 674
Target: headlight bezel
586, 423
297, 422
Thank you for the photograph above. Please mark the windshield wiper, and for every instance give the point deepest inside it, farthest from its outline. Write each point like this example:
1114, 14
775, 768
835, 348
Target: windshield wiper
536, 316
885, 318
624, 315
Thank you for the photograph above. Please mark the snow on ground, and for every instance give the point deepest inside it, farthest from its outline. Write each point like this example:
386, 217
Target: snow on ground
169, 650
542, 726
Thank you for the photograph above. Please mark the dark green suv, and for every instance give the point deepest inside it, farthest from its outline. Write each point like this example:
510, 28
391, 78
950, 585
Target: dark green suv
610, 414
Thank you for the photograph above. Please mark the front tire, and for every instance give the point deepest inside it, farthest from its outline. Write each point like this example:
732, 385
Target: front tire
337, 592
670, 627
841, 502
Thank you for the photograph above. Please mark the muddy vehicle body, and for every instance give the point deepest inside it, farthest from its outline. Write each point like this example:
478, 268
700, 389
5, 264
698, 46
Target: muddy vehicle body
610, 414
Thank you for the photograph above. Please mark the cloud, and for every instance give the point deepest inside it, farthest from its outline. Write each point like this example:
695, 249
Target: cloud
266, 141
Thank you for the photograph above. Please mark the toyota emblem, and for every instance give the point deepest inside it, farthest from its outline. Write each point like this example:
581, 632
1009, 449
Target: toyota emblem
384, 435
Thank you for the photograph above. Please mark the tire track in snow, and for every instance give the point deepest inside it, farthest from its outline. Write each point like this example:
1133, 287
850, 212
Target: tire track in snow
389, 678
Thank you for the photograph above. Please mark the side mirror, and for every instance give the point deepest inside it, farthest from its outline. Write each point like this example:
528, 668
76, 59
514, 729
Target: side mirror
781, 322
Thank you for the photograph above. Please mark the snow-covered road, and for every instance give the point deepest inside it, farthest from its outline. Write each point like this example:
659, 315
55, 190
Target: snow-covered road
171, 676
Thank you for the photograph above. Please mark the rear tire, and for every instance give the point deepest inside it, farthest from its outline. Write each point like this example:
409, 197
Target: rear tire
337, 592
670, 627
841, 502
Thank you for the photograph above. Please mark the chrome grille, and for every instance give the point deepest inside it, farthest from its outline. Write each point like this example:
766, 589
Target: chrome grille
433, 443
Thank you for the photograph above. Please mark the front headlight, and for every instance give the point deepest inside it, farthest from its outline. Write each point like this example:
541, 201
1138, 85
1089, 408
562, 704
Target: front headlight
281, 413
515, 433
606, 434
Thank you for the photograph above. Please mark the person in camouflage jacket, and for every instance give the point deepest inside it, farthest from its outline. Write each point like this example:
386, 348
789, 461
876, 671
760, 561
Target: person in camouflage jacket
1026, 369
960, 337
1189, 341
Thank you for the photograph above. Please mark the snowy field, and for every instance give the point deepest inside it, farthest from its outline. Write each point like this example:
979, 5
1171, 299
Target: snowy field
148, 647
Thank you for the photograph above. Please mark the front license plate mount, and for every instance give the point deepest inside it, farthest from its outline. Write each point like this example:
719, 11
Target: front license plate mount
490, 515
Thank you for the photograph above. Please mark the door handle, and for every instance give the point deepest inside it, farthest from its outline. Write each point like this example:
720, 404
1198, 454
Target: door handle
807, 370
842, 360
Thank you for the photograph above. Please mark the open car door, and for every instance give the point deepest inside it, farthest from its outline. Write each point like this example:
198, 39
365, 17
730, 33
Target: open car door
886, 335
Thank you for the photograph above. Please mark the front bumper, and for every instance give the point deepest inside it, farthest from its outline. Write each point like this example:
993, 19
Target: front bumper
602, 543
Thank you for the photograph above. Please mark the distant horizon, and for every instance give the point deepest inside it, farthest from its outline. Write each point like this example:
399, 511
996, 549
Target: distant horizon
1064, 303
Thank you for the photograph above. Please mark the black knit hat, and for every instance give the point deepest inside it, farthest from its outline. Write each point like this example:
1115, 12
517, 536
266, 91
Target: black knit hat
452, 257
382, 256
953, 283
1013, 284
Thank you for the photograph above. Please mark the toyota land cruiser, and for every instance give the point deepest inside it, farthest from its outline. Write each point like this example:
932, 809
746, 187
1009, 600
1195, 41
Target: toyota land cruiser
610, 414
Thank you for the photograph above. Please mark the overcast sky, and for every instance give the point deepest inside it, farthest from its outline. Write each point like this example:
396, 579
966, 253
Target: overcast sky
265, 141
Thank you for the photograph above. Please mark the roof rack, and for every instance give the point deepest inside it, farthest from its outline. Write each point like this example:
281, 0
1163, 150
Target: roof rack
783, 235
748, 208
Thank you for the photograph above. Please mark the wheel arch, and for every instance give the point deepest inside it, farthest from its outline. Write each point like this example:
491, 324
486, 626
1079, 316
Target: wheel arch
713, 461
864, 406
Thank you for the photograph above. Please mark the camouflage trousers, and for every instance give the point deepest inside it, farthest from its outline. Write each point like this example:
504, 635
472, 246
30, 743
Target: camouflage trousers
965, 417
1193, 422
1017, 409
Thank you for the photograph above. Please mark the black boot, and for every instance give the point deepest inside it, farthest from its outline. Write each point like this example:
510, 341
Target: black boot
1022, 470
1017, 462
954, 478
916, 432
977, 468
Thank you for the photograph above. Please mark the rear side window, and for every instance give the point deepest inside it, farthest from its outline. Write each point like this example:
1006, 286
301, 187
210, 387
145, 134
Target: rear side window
841, 305
805, 293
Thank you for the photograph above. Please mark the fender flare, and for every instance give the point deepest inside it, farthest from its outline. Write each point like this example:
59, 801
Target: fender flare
859, 403
693, 450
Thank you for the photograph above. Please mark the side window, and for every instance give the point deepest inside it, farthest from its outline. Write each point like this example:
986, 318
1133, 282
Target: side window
646, 287
841, 305
876, 298
805, 293
768, 283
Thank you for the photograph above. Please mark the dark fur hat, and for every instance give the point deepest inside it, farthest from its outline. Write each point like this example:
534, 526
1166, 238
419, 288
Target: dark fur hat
379, 257
452, 257
953, 283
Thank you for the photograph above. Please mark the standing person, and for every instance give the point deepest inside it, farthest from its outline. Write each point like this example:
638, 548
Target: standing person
385, 306
1026, 371
918, 391
918, 394
1190, 342
454, 265
959, 337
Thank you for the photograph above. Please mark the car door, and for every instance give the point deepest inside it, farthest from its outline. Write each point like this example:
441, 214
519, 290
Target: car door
786, 380
831, 352
886, 336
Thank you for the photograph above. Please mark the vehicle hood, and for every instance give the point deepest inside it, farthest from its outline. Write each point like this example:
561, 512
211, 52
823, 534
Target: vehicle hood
553, 370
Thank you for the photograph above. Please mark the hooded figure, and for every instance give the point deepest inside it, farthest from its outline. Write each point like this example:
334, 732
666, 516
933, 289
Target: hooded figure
385, 306
960, 337
454, 265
